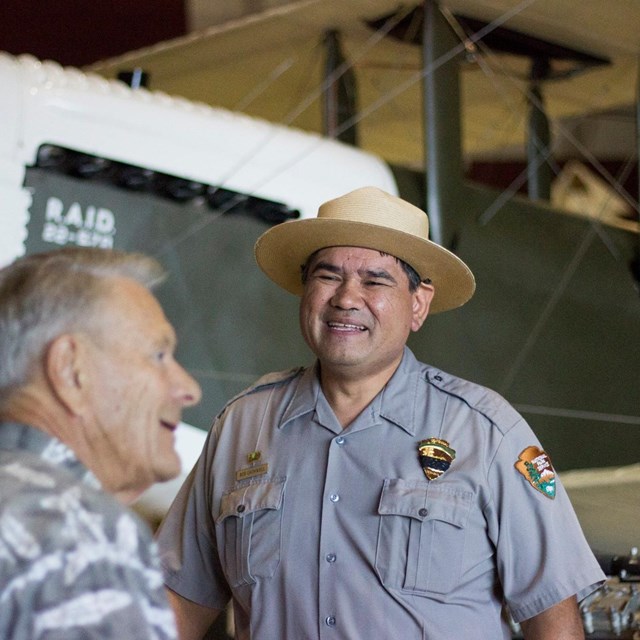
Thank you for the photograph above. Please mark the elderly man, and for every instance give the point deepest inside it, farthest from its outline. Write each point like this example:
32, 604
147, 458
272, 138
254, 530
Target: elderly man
90, 395
370, 495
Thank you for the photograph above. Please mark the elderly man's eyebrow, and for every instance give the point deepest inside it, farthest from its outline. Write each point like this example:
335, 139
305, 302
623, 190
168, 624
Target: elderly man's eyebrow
166, 340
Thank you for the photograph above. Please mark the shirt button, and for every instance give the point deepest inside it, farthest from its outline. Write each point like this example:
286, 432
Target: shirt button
330, 621
240, 508
330, 557
423, 513
334, 497
340, 440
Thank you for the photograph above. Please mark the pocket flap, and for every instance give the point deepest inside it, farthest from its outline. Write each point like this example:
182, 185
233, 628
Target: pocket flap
422, 501
240, 502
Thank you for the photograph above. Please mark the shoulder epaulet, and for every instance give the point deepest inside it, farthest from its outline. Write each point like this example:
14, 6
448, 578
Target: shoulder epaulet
264, 382
482, 399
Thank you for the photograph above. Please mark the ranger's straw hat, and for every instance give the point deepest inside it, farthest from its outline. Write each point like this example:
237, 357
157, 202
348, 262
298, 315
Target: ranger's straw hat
372, 219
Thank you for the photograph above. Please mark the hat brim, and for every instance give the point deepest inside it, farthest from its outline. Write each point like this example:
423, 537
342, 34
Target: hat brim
283, 249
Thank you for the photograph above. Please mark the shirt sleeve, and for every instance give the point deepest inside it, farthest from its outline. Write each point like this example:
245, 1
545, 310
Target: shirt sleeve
187, 538
542, 554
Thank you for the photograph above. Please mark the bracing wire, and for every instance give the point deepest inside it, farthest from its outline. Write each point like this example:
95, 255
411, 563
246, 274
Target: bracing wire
595, 228
533, 100
288, 119
304, 104
469, 43
548, 309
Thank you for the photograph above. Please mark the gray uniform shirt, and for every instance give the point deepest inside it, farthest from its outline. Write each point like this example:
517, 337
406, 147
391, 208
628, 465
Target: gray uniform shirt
74, 564
318, 532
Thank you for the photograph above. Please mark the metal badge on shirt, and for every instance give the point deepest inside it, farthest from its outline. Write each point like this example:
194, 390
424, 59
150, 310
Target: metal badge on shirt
534, 464
436, 457
253, 470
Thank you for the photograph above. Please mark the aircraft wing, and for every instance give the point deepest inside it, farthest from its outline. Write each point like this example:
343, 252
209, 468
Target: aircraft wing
607, 505
270, 64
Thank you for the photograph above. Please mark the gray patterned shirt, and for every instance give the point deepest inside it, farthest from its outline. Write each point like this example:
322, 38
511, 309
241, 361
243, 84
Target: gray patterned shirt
74, 563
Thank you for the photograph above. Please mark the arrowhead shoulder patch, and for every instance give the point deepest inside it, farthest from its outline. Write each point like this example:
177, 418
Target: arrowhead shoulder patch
534, 464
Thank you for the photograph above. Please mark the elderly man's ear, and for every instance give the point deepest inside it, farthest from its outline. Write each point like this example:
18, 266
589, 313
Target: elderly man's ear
65, 370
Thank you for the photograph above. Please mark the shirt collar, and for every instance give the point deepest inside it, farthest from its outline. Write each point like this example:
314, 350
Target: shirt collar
21, 437
399, 395
305, 397
395, 402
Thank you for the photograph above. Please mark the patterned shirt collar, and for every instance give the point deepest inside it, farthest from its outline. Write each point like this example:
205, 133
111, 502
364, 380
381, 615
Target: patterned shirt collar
21, 437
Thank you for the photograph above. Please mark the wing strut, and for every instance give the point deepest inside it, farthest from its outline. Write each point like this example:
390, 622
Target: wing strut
443, 139
635, 263
539, 173
340, 97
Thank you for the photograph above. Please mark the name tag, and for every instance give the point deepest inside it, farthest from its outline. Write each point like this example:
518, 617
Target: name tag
251, 472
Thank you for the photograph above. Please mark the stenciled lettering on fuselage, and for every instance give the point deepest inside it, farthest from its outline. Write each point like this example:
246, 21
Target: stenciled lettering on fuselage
90, 226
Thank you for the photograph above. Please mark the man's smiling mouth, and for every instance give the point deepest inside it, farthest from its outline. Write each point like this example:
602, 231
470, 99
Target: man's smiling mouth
341, 326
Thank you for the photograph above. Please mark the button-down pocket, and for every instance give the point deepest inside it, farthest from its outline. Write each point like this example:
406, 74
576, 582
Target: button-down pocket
421, 535
252, 519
